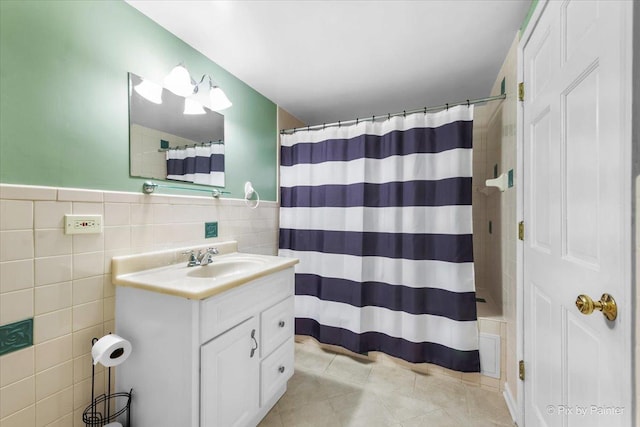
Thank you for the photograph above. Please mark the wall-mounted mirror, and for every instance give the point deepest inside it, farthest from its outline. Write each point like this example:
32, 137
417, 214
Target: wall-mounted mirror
167, 144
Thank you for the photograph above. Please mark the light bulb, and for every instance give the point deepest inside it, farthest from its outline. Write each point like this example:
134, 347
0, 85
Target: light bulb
178, 81
219, 100
150, 91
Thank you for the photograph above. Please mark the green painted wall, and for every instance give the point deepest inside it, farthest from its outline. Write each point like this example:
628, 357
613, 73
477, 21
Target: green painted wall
64, 97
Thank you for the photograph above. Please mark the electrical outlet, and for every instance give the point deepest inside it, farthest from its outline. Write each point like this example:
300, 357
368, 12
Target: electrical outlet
82, 224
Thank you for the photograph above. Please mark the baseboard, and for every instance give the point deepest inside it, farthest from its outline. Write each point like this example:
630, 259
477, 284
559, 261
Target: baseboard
511, 403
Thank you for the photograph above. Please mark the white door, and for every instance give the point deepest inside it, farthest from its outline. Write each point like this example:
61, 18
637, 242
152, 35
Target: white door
229, 377
577, 214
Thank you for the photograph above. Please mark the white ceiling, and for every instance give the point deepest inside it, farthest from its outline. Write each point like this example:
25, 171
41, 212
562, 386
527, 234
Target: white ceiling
325, 61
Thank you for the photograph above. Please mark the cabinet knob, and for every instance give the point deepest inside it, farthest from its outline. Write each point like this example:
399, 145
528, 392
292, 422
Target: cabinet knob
281, 323
281, 369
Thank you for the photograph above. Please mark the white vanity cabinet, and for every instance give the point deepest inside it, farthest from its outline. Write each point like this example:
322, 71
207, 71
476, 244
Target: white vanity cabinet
223, 361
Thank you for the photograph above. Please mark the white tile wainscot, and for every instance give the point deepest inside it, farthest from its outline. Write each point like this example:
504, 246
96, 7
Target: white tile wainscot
219, 361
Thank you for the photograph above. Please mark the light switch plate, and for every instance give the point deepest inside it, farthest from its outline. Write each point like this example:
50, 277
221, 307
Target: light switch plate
82, 224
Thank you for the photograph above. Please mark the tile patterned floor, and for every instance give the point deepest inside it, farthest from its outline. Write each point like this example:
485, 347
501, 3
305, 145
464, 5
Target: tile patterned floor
334, 390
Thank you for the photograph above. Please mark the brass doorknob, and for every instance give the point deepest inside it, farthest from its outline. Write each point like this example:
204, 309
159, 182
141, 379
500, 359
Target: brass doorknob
607, 305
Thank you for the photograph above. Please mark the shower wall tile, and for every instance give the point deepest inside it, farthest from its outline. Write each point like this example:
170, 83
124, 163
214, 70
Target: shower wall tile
16, 214
17, 396
84, 208
51, 325
65, 281
53, 352
52, 242
22, 192
79, 195
51, 214
52, 297
15, 306
52, 269
16, 275
16, 366
16, 245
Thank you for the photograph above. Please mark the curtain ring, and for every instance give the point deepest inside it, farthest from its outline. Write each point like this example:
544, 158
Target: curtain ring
388, 116
308, 128
467, 103
404, 113
338, 123
425, 110
324, 125
357, 121
373, 118
447, 107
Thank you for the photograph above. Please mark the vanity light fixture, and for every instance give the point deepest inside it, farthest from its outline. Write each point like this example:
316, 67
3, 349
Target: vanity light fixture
218, 98
193, 107
179, 81
214, 98
150, 91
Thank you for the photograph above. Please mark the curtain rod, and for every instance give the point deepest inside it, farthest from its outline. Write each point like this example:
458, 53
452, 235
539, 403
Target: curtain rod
389, 115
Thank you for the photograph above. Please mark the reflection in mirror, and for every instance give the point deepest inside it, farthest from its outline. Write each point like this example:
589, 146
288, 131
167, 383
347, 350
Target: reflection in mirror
172, 137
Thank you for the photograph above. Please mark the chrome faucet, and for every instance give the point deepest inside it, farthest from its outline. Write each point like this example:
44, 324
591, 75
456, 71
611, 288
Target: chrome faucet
206, 258
202, 258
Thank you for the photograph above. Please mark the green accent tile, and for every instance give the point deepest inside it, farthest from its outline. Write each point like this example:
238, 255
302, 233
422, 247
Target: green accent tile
16, 336
210, 229
164, 143
510, 178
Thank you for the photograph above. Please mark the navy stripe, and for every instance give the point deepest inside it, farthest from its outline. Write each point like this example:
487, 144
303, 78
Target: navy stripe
443, 192
217, 163
197, 164
438, 247
438, 302
395, 143
423, 352
174, 167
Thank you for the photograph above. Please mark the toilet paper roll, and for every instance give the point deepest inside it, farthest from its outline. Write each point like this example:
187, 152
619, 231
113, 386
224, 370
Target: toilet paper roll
110, 350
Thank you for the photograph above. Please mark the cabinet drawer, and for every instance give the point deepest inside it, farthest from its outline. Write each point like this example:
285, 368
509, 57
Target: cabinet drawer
222, 312
276, 370
276, 324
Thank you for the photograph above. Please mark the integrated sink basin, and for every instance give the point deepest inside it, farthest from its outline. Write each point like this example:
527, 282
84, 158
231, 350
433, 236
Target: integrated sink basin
168, 271
226, 267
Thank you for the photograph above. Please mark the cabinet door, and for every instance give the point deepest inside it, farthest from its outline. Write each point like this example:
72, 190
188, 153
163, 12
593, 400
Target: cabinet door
229, 377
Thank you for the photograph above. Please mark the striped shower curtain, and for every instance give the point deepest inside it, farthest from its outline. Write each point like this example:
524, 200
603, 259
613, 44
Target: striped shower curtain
379, 214
200, 164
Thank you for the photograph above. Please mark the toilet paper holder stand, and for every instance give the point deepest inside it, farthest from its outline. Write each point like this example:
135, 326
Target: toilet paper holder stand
98, 413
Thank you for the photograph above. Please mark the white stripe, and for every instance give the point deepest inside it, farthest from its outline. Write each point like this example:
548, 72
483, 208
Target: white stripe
412, 167
411, 327
211, 178
454, 277
431, 120
410, 219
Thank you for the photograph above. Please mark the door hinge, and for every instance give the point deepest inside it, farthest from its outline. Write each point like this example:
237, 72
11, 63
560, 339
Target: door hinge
521, 230
521, 91
521, 370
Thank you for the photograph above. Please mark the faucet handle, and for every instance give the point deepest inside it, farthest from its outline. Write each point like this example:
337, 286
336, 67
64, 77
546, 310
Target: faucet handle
213, 251
193, 259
